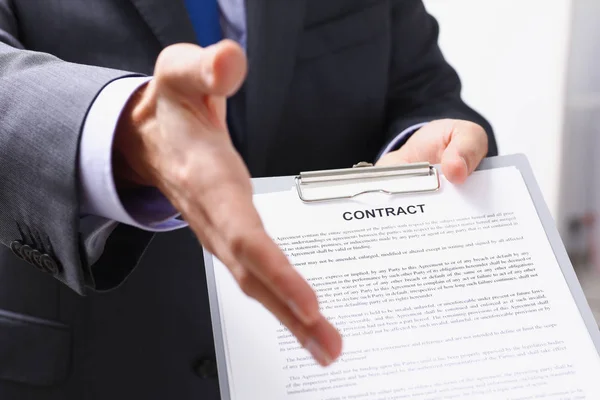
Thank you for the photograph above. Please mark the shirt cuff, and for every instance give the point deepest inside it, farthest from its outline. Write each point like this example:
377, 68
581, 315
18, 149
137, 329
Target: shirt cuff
144, 208
400, 139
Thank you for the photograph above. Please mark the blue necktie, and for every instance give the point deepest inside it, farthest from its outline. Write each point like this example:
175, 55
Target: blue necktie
204, 15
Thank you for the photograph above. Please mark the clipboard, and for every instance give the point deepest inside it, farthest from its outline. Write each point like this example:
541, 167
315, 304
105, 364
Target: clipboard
429, 176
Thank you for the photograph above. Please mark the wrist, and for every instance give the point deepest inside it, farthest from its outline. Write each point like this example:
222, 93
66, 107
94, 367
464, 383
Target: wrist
130, 155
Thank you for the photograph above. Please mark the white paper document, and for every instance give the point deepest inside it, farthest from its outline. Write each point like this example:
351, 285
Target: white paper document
449, 295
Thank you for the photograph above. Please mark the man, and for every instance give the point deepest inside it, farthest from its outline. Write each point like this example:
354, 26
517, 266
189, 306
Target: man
117, 116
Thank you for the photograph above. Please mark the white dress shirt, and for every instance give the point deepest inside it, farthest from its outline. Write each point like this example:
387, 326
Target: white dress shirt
147, 209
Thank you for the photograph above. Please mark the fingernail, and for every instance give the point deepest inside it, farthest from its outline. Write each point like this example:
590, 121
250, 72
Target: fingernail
208, 73
464, 160
317, 352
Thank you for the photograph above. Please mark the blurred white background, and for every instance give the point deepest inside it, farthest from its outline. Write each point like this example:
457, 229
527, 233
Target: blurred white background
532, 67
512, 58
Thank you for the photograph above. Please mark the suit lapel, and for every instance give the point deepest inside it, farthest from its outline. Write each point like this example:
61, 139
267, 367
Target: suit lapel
168, 19
273, 29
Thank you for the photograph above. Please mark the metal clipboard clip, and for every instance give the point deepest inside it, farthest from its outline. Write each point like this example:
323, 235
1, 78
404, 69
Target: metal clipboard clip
386, 180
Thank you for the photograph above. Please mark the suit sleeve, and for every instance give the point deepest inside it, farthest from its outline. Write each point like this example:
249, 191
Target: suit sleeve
43, 105
423, 86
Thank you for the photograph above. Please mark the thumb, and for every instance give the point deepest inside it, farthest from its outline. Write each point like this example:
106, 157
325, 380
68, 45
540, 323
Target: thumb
193, 71
467, 147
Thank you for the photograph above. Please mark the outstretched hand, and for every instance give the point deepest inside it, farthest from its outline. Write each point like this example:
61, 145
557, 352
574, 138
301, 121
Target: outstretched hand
174, 136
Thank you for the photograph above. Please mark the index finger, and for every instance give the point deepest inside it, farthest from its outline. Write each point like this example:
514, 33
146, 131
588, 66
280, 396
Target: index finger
232, 216
266, 261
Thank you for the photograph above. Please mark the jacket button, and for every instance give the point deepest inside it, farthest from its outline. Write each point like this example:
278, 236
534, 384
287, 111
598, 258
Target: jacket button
49, 264
205, 368
36, 257
26, 251
15, 247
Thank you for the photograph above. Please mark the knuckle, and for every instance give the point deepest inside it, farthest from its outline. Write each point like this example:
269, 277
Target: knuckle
247, 242
244, 281
238, 244
472, 128
484, 143
483, 137
180, 173
479, 135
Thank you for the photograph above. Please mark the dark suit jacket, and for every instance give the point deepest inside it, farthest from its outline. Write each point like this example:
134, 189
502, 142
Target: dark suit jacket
330, 83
